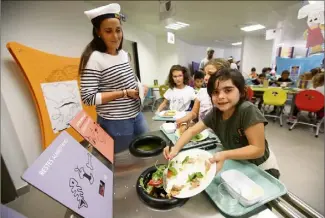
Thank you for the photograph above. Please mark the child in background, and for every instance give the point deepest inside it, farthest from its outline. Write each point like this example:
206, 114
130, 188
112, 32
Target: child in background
198, 81
202, 103
253, 74
259, 80
238, 123
318, 82
318, 85
179, 95
284, 80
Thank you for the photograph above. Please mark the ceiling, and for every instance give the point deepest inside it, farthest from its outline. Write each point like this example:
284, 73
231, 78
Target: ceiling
211, 20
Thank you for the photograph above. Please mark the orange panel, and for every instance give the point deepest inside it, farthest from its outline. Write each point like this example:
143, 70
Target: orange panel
40, 67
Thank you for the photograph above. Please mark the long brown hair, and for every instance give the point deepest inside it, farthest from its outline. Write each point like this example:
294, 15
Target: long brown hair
96, 44
186, 76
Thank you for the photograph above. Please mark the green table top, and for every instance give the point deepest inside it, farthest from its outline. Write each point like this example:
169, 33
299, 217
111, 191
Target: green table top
263, 89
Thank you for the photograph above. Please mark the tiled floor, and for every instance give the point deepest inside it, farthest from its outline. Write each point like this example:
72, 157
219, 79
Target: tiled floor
299, 153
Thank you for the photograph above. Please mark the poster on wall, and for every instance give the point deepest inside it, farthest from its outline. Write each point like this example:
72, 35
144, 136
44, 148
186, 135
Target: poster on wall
63, 103
294, 72
314, 34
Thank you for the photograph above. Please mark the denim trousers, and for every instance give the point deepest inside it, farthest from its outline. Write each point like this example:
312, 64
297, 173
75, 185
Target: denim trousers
124, 131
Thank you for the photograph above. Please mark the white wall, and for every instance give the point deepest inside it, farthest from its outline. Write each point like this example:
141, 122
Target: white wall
257, 52
55, 27
233, 51
167, 56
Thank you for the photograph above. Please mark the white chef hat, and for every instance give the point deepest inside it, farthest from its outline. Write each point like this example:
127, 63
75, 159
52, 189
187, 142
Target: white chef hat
107, 11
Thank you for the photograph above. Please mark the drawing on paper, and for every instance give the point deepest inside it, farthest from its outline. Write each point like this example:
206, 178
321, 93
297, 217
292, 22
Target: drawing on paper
63, 102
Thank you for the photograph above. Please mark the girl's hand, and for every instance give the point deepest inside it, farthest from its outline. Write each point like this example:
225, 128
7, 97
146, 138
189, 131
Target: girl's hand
133, 93
170, 155
219, 159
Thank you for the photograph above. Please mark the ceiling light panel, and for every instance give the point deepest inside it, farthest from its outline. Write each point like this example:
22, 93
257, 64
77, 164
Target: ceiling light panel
252, 28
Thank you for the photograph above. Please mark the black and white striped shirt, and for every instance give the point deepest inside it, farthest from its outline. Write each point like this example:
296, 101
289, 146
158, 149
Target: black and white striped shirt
107, 73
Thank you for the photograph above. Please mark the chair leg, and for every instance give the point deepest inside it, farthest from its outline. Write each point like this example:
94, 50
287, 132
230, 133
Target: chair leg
281, 123
294, 123
153, 106
318, 127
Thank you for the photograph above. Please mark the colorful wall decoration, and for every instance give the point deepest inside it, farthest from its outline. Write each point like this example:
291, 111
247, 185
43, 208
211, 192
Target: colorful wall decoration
314, 35
298, 66
54, 84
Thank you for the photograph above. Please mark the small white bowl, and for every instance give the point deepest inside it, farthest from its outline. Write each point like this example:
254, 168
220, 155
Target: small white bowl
169, 127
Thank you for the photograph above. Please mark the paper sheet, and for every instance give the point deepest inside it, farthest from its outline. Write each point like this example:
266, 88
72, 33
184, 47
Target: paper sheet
63, 102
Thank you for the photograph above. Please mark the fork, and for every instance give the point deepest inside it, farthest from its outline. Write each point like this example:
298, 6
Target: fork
166, 171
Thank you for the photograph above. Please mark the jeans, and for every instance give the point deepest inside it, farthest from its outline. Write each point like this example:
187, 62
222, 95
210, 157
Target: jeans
124, 131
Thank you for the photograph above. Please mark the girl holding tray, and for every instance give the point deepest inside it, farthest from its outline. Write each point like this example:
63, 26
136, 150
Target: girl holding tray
238, 123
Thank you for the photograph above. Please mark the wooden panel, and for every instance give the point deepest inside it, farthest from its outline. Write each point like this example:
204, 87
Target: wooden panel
41, 67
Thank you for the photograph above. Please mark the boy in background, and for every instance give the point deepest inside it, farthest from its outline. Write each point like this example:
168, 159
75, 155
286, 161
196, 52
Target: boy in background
198, 81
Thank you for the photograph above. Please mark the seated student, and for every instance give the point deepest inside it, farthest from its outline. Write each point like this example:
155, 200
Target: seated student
179, 95
202, 104
284, 78
253, 74
318, 85
198, 81
259, 80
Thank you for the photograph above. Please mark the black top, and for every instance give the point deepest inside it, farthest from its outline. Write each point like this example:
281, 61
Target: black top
284, 80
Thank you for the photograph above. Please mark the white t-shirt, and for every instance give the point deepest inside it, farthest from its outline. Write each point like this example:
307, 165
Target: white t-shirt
205, 102
233, 66
319, 89
180, 99
203, 63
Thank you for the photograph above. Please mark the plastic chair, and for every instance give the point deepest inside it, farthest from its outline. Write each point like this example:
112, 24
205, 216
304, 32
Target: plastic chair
162, 90
250, 93
276, 97
310, 101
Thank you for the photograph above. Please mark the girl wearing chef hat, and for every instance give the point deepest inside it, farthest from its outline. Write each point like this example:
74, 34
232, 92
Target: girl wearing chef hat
107, 79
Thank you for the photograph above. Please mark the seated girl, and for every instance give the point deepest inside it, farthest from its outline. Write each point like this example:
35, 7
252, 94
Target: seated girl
202, 103
179, 95
238, 123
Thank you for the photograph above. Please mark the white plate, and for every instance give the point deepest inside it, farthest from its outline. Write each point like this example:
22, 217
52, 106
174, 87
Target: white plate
198, 166
205, 134
177, 115
162, 114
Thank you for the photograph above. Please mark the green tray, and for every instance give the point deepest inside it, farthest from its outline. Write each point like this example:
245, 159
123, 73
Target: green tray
273, 188
173, 138
159, 118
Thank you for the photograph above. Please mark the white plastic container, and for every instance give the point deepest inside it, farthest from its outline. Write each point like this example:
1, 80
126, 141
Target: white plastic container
251, 193
169, 127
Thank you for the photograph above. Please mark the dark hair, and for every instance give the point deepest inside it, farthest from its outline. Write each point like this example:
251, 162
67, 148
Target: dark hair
261, 75
198, 75
253, 69
96, 44
269, 69
224, 74
186, 77
315, 71
285, 72
265, 69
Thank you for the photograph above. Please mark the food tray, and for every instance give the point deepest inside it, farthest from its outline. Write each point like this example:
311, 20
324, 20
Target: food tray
211, 140
273, 188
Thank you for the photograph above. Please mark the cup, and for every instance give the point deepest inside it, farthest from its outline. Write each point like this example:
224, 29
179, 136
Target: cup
229, 196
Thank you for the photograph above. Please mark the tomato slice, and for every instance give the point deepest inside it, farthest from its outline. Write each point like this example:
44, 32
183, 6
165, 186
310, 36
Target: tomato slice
169, 174
155, 182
